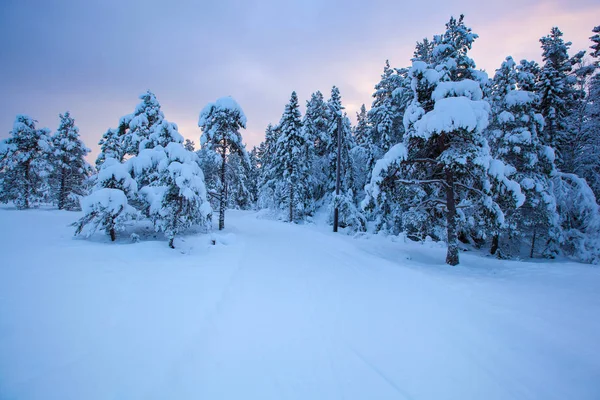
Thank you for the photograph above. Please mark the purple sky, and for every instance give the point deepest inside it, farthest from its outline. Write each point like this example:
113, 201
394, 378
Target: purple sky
95, 59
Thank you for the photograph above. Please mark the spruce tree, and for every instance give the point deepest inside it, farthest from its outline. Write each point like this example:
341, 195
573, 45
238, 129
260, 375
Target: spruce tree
589, 164
558, 94
220, 123
111, 146
337, 118
139, 125
316, 128
291, 162
267, 178
70, 169
361, 131
177, 199
189, 145
444, 162
392, 95
107, 207
25, 164
515, 127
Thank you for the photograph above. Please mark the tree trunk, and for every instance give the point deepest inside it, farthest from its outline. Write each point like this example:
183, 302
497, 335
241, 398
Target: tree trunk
27, 186
495, 244
291, 203
223, 192
61, 193
532, 244
452, 255
113, 235
171, 245
337, 174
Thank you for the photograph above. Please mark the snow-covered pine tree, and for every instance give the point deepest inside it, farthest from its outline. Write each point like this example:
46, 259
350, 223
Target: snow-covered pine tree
589, 164
392, 95
253, 175
210, 163
360, 153
339, 127
444, 162
25, 164
238, 183
107, 207
111, 146
220, 123
423, 51
140, 124
579, 217
189, 145
558, 94
267, 176
514, 137
316, 129
177, 199
362, 128
70, 169
291, 163
161, 134
337, 118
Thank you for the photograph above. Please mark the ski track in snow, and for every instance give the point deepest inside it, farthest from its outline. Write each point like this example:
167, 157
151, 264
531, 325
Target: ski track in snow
280, 311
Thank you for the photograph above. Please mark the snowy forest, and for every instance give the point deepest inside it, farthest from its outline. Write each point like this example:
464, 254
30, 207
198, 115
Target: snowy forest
507, 164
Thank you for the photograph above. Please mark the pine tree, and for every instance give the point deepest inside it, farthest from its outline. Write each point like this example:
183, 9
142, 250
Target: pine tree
220, 123
337, 118
25, 163
588, 163
391, 97
107, 207
70, 169
514, 129
253, 175
177, 199
239, 195
291, 163
361, 131
189, 145
267, 178
316, 129
111, 146
443, 164
360, 154
139, 125
558, 93
423, 51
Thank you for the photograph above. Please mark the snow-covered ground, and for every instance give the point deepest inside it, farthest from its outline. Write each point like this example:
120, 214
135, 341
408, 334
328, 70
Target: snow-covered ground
280, 311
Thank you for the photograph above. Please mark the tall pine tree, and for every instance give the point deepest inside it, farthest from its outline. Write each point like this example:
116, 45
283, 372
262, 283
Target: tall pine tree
220, 123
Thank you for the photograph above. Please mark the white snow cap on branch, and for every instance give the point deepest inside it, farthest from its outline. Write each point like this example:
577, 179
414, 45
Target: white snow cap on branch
467, 88
454, 113
223, 104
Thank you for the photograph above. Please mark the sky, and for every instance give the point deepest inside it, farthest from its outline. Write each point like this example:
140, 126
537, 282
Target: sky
94, 58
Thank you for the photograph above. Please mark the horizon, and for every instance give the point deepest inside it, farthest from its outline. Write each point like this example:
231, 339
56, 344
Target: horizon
79, 67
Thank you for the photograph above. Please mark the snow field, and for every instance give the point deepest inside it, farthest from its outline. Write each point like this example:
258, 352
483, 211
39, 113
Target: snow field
280, 311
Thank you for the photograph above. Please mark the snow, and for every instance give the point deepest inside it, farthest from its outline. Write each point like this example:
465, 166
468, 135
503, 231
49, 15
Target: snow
518, 97
467, 88
280, 311
112, 200
112, 169
223, 104
454, 113
501, 172
396, 153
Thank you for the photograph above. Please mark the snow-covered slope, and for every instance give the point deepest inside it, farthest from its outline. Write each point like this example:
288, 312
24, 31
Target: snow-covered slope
279, 311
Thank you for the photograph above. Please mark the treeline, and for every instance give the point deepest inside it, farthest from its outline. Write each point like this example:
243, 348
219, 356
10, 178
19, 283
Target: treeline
510, 163
37, 166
